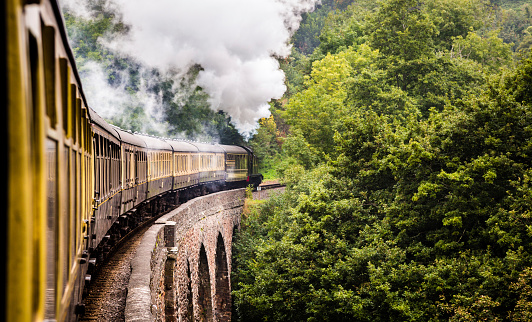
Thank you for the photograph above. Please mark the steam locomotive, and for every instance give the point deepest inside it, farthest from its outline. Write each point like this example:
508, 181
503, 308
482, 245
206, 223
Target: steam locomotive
72, 183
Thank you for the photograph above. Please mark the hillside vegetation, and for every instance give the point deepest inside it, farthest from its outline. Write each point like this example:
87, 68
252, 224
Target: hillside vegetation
405, 141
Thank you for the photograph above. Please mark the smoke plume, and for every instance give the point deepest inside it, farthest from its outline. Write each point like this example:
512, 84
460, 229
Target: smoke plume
236, 42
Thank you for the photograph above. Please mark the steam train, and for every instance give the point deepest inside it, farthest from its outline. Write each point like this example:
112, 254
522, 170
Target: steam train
73, 183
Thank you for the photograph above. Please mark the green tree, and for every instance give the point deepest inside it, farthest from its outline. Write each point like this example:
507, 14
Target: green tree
266, 143
318, 110
526, 43
401, 30
416, 220
491, 52
454, 18
412, 37
343, 29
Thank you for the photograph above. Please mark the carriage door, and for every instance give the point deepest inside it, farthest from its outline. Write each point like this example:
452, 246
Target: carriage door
134, 175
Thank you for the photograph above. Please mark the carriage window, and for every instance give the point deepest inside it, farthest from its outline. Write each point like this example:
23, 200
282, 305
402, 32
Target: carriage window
77, 120
166, 163
96, 163
51, 229
48, 41
152, 165
65, 216
132, 166
74, 204
64, 71
73, 93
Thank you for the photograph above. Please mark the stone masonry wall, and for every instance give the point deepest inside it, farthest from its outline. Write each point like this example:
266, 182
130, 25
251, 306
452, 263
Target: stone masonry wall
169, 280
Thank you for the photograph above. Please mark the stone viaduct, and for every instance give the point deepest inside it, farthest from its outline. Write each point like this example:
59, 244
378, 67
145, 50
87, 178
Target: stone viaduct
181, 270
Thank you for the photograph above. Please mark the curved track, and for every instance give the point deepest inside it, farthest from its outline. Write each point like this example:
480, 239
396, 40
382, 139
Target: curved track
107, 292
106, 297
264, 190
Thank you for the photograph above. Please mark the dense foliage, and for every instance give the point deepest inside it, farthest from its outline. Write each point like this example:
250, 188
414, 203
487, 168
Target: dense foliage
408, 170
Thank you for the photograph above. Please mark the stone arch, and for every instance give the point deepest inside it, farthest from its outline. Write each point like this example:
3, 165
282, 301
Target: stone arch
204, 312
223, 289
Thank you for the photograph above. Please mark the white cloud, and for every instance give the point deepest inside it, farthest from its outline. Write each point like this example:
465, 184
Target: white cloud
233, 40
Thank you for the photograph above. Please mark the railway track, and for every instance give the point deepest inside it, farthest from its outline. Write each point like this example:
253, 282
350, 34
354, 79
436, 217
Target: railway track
263, 191
270, 186
107, 291
106, 296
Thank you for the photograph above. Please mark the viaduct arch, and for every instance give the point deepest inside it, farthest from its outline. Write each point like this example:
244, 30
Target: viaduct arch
182, 269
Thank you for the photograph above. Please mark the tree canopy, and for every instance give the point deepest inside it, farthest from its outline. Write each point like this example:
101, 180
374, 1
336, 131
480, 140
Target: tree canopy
408, 167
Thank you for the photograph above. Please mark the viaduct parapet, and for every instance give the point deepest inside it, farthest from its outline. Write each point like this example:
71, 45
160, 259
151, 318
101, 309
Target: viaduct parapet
181, 270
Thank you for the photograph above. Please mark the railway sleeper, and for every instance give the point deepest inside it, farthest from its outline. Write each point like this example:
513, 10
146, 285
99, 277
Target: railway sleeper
124, 231
92, 265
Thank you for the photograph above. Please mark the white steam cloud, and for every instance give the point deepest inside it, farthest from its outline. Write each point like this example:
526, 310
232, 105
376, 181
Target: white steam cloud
234, 41
115, 102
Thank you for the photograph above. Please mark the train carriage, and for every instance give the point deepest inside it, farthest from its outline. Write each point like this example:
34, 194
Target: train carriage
236, 160
107, 188
70, 177
184, 175
133, 174
159, 162
48, 176
254, 176
210, 163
